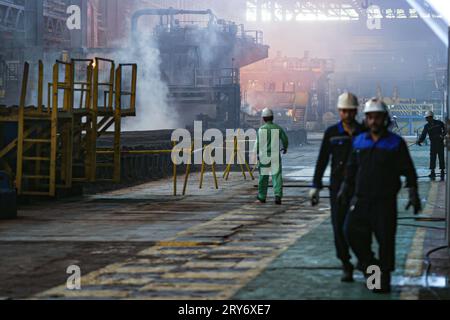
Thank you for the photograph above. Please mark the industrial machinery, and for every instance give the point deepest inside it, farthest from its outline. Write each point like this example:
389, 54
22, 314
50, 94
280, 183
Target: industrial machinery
298, 89
49, 147
32, 30
200, 62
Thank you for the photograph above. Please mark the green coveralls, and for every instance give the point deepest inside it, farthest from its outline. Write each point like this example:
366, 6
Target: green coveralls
277, 175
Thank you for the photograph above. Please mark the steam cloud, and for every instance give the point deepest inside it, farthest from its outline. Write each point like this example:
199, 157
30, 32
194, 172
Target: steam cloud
152, 107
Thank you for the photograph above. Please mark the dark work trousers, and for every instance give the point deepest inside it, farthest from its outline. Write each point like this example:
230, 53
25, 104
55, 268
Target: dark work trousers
437, 149
338, 216
373, 217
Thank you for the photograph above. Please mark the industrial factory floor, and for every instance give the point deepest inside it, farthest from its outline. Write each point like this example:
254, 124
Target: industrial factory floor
143, 243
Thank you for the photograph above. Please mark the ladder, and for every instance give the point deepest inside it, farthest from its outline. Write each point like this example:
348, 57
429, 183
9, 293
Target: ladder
36, 147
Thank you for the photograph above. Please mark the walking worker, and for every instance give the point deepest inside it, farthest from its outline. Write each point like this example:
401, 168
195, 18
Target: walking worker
337, 144
436, 131
372, 182
268, 150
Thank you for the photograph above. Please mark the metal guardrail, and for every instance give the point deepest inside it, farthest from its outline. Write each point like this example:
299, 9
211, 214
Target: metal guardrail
216, 77
50, 138
256, 36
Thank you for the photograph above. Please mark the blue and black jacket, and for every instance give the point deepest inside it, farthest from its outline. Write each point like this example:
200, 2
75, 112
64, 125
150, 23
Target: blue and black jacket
374, 168
337, 144
436, 131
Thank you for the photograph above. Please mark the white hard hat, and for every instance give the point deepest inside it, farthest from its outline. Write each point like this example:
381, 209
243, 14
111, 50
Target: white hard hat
267, 113
375, 105
429, 114
348, 101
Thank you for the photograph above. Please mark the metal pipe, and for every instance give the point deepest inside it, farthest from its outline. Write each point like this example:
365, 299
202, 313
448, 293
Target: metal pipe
447, 198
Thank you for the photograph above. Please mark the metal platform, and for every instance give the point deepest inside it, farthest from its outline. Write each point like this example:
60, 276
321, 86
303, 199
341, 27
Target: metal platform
50, 147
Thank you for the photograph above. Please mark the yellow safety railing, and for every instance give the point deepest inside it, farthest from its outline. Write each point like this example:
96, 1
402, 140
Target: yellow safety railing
241, 161
57, 142
245, 167
213, 168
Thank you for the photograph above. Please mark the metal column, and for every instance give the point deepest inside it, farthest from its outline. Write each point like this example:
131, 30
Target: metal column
447, 117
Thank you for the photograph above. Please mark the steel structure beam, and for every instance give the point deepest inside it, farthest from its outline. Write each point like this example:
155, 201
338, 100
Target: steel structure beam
55, 21
284, 10
12, 14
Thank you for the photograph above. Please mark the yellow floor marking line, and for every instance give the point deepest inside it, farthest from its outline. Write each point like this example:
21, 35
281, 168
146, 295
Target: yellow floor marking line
414, 261
186, 256
147, 269
187, 286
182, 244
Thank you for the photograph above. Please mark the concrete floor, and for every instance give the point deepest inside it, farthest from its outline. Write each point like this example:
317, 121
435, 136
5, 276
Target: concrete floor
143, 243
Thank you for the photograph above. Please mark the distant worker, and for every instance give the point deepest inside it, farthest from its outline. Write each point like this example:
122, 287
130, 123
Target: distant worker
372, 182
394, 127
436, 131
337, 144
269, 157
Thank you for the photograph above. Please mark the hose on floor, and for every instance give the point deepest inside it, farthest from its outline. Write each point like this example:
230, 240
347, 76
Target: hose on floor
428, 270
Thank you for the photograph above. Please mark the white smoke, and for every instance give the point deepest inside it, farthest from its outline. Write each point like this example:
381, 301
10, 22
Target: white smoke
153, 111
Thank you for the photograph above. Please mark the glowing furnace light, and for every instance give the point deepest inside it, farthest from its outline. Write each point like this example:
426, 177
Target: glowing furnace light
441, 7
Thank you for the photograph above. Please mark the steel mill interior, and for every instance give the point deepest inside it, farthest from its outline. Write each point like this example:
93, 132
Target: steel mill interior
224, 150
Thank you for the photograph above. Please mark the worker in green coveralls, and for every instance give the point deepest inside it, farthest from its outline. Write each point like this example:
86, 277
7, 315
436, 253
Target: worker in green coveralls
269, 157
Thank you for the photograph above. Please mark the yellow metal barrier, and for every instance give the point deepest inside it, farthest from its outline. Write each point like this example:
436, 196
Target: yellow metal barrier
213, 168
236, 155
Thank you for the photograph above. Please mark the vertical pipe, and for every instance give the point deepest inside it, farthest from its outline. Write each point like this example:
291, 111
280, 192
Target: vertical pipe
117, 125
447, 198
86, 23
111, 86
70, 127
40, 86
174, 164
40, 106
54, 131
133, 89
36, 24
21, 128
90, 69
92, 149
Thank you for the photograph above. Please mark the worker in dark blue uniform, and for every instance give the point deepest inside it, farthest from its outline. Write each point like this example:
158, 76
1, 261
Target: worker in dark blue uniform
337, 144
436, 131
372, 182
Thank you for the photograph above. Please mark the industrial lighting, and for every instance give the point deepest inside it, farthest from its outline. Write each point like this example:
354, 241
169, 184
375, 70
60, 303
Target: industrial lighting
441, 7
438, 31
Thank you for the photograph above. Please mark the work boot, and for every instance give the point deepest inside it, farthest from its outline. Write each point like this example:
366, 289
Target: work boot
347, 275
385, 283
442, 175
433, 175
278, 201
261, 200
